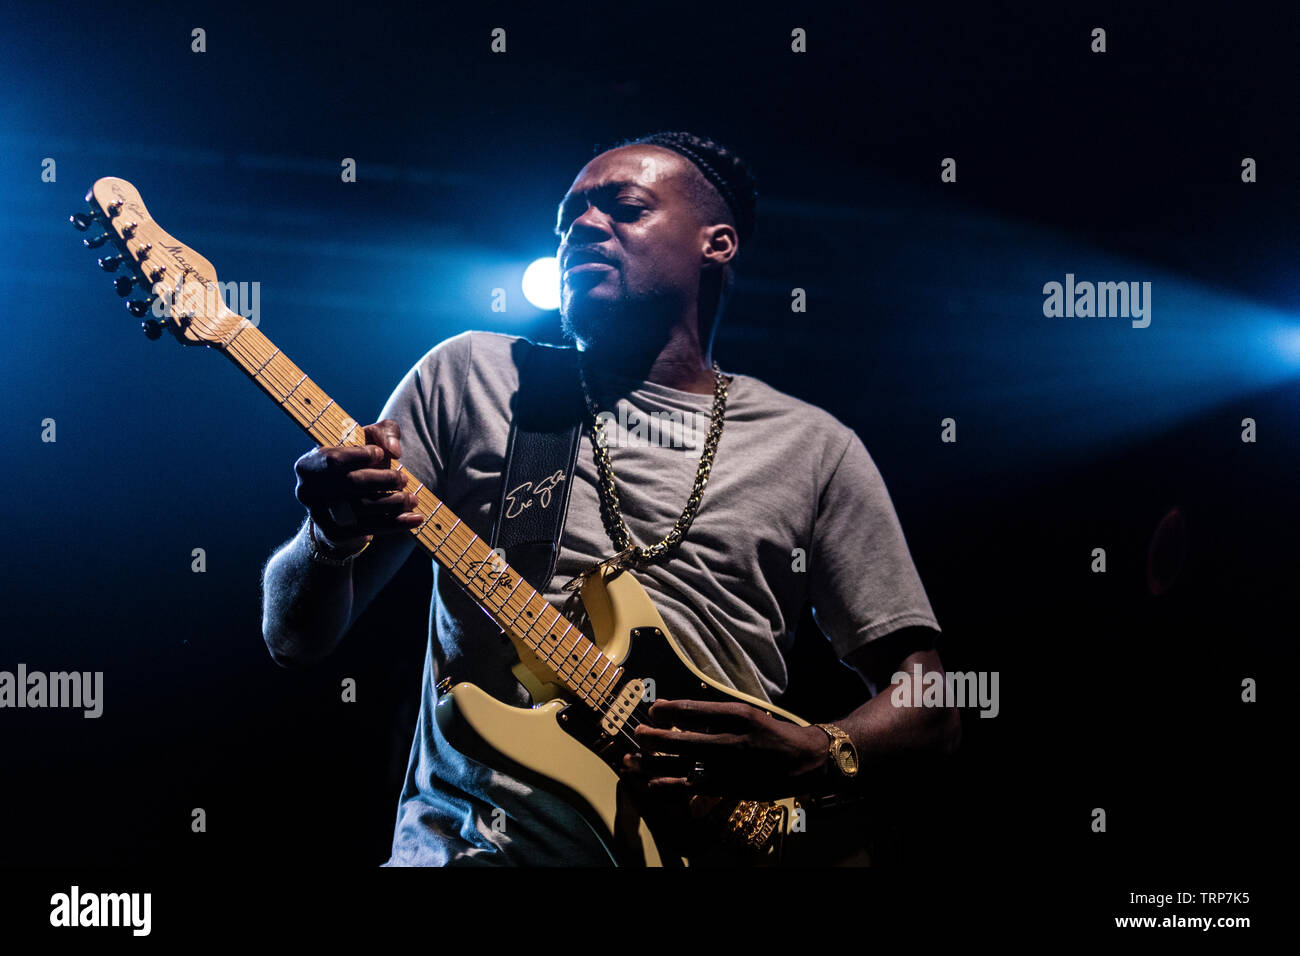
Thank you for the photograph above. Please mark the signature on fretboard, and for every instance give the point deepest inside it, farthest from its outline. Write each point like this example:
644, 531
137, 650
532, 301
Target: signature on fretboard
494, 575
520, 498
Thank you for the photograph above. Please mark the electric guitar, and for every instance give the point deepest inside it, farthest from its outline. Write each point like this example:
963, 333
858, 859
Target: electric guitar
589, 684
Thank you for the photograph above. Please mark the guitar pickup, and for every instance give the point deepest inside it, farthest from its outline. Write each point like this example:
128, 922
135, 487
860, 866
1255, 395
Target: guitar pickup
620, 709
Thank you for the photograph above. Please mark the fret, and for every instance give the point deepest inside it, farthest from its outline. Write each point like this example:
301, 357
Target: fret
588, 669
522, 609
488, 596
299, 402
463, 553
606, 690
566, 653
528, 631
546, 655
580, 669
550, 630
608, 662
495, 576
321, 414
548, 636
427, 519
243, 327
572, 654
502, 603
263, 366
587, 684
518, 581
438, 546
559, 641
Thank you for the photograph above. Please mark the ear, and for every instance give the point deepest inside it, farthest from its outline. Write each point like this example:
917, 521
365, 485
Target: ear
721, 245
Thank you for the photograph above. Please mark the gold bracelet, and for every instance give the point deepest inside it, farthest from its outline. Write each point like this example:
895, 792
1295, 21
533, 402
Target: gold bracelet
319, 552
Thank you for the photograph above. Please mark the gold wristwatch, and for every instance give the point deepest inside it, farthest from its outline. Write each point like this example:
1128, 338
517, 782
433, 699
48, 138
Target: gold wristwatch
842, 752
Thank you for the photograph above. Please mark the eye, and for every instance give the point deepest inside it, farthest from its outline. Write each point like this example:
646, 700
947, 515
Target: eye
625, 211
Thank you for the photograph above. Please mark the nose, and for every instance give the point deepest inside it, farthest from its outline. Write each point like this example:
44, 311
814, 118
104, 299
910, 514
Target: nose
589, 228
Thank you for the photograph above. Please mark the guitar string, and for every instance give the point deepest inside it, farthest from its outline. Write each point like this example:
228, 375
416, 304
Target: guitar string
267, 365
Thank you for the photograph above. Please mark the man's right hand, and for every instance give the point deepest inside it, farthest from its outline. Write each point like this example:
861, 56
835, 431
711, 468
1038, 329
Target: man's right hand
350, 491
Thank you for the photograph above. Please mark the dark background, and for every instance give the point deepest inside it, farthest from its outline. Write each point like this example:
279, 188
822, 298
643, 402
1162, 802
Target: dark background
924, 302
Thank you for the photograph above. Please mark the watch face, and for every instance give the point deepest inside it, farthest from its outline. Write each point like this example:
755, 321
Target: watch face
847, 759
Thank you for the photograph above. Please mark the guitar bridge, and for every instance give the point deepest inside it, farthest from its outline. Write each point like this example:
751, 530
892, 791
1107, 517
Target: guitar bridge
756, 828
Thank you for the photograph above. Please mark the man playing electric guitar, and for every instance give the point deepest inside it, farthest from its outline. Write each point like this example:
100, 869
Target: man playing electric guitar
794, 511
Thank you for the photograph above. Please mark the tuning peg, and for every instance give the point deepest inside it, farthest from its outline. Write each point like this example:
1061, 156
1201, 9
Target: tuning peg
110, 263
122, 285
95, 241
129, 229
114, 207
138, 307
81, 221
152, 329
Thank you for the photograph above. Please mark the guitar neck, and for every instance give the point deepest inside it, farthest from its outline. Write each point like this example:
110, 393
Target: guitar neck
508, 599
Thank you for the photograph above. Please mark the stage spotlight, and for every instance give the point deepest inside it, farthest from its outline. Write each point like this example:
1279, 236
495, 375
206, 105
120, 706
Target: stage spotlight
542, 283
1288, 343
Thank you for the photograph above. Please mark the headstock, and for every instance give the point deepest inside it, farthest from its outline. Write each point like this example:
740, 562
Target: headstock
180, 289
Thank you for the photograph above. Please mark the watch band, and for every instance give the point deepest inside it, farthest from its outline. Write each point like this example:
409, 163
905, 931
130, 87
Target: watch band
845, 763
319, 552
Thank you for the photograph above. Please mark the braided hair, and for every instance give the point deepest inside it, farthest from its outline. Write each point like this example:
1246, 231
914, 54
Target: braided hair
731, 179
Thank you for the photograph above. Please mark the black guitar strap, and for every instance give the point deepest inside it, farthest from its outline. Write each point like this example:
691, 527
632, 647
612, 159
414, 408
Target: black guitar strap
547, 413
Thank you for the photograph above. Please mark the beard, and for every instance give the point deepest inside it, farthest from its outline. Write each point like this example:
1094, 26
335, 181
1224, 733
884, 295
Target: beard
588, 322
627, 323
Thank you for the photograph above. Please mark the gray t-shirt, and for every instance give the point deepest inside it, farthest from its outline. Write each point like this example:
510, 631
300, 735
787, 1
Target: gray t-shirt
794, 510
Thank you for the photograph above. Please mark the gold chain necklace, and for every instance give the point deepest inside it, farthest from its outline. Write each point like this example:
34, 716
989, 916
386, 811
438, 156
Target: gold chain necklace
610, 512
